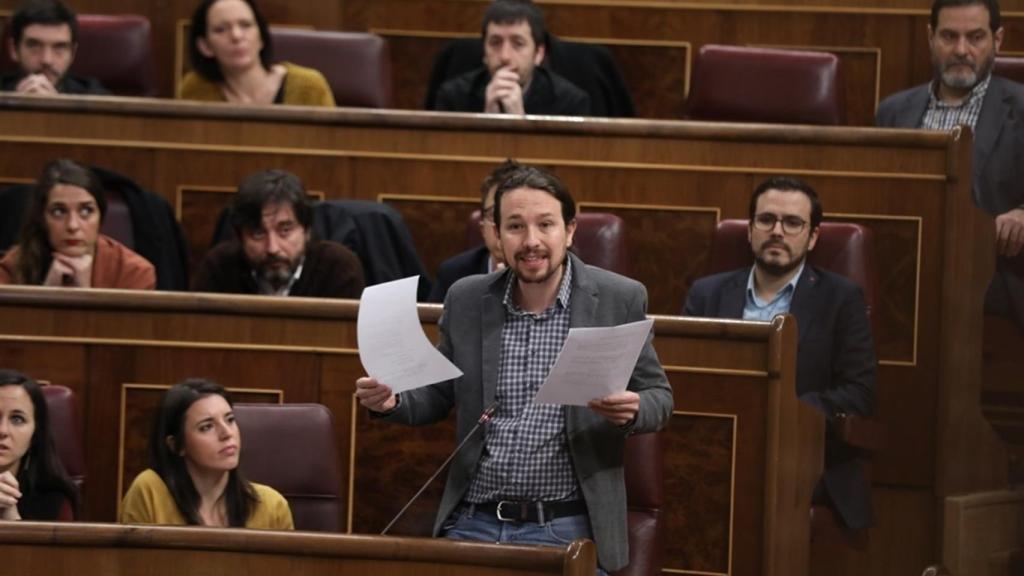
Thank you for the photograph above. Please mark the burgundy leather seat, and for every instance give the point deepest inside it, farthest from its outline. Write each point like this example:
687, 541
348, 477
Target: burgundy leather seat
290, 447
357, 65
739, 84
645, 498
1011, 67
116, 49
600, 240
63, 408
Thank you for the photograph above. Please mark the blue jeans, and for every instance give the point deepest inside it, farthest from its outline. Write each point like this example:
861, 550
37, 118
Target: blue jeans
469, 524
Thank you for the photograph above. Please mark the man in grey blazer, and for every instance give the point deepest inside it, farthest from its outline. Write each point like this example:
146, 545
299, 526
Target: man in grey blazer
964, 37
541, 474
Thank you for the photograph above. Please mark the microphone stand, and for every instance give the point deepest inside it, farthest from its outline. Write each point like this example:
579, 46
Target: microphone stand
485, 417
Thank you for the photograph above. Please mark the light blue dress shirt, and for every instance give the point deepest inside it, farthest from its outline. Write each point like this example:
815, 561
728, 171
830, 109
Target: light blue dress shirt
756, 309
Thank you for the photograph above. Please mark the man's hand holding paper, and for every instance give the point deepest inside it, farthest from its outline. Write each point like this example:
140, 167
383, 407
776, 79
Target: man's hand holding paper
395, 352
593, 370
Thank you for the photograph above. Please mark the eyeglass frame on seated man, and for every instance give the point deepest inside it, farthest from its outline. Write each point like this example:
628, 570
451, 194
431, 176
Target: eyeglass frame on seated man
788, 222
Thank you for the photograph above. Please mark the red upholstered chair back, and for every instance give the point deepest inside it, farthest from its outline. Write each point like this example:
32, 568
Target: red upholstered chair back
63, 408
290, 447
842, 247
357, 65
600, 240
645, 498
1011, 67
116, 49
739, 84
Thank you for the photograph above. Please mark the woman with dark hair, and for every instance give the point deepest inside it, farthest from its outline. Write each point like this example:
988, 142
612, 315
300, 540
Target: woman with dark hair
60, 242
33, 483
194, 477
232, 61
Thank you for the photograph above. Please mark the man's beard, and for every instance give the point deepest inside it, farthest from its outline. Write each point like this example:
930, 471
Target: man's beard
776, 269
968, 81
276, 276
552, 270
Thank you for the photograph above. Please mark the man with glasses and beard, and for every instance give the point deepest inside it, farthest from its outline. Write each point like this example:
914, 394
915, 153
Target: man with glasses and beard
273, 253
835, 352
964, 37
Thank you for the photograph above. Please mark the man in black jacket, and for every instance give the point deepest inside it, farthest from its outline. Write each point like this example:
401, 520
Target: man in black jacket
512, 80
836, 363
43, 41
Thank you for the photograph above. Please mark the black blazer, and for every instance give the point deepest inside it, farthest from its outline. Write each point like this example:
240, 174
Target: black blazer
836, 364
472, 261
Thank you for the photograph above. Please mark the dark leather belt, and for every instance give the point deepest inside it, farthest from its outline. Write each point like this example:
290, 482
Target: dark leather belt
532, 511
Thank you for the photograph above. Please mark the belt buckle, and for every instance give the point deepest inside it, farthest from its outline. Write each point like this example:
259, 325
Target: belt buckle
497, 512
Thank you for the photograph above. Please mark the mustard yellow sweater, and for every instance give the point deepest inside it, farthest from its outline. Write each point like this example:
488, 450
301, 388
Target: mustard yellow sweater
302, 87
148, 501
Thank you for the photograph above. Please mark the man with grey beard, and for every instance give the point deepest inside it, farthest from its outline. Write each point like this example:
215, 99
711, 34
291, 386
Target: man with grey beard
835, 353
964, 37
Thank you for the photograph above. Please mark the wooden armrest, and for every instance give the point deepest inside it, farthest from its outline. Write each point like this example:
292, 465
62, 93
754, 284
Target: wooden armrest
861, 431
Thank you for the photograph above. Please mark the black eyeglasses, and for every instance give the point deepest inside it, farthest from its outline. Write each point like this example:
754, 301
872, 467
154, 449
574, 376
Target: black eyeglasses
791, 225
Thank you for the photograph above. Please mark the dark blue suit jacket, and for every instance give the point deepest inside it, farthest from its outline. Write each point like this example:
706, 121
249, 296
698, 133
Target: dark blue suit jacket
472, 261
835, 364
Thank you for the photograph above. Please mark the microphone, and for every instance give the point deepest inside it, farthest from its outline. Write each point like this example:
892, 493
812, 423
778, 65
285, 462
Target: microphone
484, 418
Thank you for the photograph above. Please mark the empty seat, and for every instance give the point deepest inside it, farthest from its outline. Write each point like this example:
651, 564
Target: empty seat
357, 65
645, 498
290, 447
63, 407
1011, 67
739, 84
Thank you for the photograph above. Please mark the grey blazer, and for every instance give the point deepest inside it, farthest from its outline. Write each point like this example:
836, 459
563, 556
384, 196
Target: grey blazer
471, 338
998, 180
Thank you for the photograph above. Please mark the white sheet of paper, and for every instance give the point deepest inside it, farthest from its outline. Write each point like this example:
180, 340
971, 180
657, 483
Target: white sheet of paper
593, 363
392, 345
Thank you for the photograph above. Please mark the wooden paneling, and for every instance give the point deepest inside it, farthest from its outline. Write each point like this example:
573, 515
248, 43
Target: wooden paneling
899, 543
111, 550
435, 223
743, 454
980, 528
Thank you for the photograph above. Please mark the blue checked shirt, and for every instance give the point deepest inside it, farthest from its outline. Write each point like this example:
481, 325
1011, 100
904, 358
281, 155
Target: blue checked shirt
945, 117
526, 452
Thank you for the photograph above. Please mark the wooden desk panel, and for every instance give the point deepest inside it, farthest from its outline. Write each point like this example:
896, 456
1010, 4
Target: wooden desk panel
743, 453
113, 550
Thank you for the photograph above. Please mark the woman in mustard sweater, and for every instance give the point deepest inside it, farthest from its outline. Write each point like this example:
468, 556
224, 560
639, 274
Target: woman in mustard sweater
194, 477
232, 61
